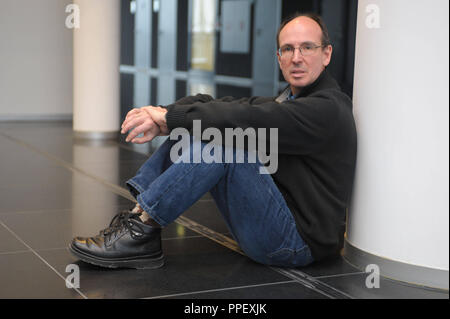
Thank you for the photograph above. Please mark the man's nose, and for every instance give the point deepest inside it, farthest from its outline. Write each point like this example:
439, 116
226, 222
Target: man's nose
297, 57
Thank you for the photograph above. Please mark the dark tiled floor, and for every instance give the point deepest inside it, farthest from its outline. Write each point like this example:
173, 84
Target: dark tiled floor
54, 188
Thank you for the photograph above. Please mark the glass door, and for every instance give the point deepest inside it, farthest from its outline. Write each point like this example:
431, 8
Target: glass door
202, 26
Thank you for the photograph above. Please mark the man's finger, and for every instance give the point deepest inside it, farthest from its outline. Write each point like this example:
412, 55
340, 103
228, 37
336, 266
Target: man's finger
143, 128
133, 122
149, 135
130, 116
144, 139
126, 124
141, 140
135, 132
133, 111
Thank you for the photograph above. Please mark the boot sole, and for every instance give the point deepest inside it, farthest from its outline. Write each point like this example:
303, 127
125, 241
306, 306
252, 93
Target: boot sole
143, 262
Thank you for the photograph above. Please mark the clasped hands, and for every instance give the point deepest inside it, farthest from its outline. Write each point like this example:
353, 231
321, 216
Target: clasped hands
148, 120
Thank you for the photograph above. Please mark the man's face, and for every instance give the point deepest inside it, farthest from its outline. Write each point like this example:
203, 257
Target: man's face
299, 70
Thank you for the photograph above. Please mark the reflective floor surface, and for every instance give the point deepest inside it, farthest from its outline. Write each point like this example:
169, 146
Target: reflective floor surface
54, 188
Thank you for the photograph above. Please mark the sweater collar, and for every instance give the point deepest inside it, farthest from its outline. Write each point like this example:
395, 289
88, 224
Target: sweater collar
324, 81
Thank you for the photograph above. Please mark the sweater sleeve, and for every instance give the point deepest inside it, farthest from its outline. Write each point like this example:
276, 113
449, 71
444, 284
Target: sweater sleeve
303, 124
199, 98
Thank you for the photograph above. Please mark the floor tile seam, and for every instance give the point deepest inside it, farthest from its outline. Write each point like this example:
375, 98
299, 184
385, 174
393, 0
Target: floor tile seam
52, 210
20, 251
12, 252
65, 248
222, 289
340, 275
15, 252
40, 211
42, 259
313, 283
223, 240
121, 161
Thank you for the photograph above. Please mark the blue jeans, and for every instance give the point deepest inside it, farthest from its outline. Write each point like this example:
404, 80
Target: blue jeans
251, 204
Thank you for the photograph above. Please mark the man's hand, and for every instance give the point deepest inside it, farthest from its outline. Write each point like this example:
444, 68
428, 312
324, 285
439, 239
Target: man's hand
149, 120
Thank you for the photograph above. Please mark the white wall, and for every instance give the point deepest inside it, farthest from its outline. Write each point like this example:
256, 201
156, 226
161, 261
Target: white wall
400, 208
35, 59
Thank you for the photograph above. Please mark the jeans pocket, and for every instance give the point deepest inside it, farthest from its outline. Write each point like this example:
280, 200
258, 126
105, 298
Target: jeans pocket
287, 257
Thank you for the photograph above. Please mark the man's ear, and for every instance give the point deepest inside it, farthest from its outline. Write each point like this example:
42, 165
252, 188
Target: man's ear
326, 56
279, 59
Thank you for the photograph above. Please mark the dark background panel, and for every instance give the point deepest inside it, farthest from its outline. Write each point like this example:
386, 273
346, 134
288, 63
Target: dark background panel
340, 18
350, 40
290, 7
180, 87
234, 64
235, 91
182, 35
126, 34
126, 94
154, 91
155, 21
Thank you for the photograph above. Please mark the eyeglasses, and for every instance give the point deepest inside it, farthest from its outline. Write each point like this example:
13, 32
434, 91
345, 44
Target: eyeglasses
306, 49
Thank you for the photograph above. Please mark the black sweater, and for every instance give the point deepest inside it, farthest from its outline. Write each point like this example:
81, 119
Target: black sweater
316, 145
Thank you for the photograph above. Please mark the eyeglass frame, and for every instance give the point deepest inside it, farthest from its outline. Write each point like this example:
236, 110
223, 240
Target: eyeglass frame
299, 48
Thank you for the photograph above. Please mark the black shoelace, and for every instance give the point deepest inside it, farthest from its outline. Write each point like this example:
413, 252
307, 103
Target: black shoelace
124, 221
115, 222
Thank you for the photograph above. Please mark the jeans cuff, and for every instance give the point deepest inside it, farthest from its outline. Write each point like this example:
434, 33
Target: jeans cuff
134, 188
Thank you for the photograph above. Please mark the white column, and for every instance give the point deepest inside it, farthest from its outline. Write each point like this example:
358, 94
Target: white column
96, 59
400, 206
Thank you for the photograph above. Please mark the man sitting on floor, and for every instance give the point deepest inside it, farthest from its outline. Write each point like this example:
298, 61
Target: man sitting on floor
290, 216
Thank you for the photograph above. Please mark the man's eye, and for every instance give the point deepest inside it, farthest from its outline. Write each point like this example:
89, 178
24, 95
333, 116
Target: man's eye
288, 49
307, 47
